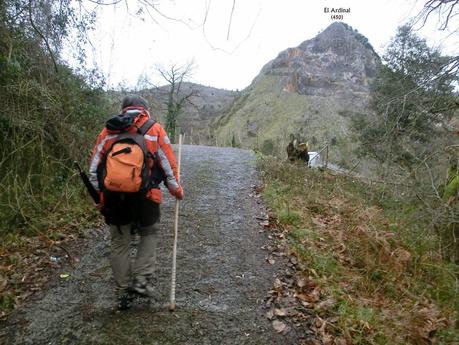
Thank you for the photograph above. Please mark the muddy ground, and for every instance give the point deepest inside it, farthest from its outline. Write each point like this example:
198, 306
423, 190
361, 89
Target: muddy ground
223, 277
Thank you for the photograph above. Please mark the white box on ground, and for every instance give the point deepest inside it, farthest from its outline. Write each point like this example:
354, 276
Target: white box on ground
315, 160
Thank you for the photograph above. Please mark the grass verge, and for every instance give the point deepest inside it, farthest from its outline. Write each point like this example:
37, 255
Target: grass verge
379, 274
34, 252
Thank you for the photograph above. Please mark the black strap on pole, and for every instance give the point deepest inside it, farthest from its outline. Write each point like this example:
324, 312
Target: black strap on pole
91, 190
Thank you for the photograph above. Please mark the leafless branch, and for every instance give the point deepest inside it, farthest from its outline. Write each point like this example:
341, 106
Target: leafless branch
103, 3
150, 4
213, 47
35, 28
432, 180
230, 20
187, 98
445, 8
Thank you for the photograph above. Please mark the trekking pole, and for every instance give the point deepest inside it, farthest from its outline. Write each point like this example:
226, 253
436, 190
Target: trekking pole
174, 250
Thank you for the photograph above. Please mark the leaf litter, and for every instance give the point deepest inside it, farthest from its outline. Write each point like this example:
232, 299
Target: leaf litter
303, 298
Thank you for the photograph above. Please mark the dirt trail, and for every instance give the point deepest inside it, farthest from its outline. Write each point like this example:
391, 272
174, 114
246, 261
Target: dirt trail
222, 273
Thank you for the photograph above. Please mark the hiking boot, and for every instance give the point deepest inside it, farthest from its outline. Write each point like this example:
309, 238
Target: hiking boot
124, 300
143, 288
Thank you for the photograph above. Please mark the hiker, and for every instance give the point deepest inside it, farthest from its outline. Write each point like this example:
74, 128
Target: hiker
302, 152
297, 151
130, 194
291, 148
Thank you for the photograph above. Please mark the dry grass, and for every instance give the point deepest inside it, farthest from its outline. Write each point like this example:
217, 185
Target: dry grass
377, 286
28, 262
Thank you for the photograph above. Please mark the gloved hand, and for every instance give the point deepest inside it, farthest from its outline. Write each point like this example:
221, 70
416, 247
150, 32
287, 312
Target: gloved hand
178, 193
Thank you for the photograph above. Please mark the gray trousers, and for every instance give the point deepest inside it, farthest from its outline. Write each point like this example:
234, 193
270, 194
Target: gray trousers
142, 266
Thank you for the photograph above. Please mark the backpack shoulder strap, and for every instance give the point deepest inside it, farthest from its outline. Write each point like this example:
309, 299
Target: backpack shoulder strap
139, 136
146, 126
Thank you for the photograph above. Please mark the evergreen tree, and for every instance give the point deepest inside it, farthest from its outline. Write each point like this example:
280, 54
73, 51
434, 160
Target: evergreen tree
412, 96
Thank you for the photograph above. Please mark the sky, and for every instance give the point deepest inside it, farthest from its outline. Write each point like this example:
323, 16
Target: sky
229, 45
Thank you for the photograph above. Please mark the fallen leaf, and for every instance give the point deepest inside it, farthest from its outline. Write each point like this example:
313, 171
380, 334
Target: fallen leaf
277, 283
264, 223
312, 296
326, 304
280, 312
279, 326
271, 260
319, 222
340, 341
301, 282
306, 304
401, 255
315, 294
302, 297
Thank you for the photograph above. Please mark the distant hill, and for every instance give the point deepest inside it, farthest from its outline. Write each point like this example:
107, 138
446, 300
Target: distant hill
311, 91
196, 119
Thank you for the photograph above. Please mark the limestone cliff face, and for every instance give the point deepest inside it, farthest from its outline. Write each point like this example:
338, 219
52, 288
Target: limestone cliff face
311, 90
338, 60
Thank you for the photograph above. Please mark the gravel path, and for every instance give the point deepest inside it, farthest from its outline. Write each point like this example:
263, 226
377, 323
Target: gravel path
222, 273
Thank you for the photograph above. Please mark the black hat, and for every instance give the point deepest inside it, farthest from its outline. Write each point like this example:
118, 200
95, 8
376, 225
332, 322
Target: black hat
134, 101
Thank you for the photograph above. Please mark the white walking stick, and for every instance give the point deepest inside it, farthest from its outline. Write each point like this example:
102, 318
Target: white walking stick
174, 250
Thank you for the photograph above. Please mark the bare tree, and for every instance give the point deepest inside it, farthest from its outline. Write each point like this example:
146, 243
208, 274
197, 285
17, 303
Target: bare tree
175, 76
446, 10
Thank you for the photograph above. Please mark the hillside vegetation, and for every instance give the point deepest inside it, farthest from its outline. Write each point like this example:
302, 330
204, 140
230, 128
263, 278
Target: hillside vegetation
48, 119
377, 260
264, 116
313, 91
371, 267
198, 113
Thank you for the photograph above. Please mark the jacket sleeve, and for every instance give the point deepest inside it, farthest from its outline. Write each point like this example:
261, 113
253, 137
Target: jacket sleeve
96, 156
167, 160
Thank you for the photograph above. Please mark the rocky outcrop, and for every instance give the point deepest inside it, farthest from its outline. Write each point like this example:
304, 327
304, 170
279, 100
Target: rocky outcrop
337, 61
311, 91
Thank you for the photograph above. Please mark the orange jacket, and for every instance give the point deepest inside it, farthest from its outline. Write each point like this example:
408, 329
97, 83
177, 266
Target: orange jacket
156, 140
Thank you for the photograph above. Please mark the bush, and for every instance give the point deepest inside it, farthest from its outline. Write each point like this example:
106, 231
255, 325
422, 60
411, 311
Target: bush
372, 251
48, 120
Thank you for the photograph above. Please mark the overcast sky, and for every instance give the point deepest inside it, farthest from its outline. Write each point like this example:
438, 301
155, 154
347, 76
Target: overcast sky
128, 46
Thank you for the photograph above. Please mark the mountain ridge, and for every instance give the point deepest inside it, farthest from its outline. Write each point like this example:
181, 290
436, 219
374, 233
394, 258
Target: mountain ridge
198, 114
312, 91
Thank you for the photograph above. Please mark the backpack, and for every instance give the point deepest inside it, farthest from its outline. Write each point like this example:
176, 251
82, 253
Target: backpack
127, 165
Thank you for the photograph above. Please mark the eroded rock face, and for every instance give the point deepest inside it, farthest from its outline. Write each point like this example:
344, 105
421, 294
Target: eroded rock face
313, 91
337, 61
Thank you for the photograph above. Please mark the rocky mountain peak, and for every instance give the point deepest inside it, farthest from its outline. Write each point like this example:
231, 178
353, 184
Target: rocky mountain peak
312, 91
337, 29
334, 37
338, 59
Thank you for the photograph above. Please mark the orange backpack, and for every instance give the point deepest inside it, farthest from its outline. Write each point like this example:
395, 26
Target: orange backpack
127, 165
